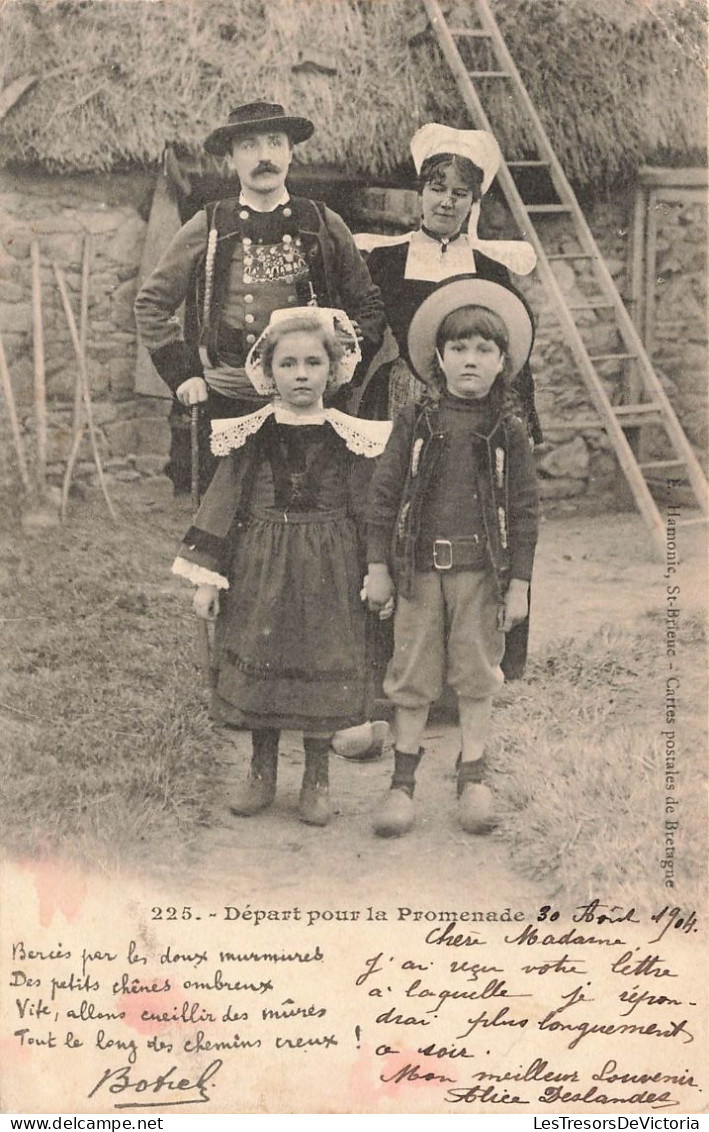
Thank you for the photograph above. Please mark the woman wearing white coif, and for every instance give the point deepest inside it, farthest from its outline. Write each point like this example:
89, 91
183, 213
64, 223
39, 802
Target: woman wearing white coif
455, 169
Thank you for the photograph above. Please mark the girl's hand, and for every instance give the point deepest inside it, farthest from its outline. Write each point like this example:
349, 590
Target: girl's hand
387, 610
516, 604
206, 602
379, 588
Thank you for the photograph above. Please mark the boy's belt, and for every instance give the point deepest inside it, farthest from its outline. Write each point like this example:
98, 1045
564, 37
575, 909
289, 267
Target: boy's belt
460, 551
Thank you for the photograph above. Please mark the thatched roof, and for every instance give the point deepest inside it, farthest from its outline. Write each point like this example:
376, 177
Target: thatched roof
616, 82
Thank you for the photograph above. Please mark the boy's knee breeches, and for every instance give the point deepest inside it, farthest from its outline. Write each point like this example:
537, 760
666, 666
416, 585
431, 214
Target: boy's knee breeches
446, 632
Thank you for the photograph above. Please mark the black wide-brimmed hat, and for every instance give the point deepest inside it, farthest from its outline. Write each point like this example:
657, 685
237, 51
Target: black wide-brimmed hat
463, 291
257, 117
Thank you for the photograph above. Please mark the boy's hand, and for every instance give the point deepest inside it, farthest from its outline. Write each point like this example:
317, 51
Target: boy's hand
516, 604
206, 602
380, 588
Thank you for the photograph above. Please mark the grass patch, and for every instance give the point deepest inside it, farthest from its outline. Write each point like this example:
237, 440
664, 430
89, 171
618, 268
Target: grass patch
578, 761
108, 747
107, 753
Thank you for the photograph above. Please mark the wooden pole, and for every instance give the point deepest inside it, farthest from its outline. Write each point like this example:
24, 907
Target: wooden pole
194, 455
205, 648
650, 273
13, 92
86, 391
78, 421
14, 423
40, 388
73, 454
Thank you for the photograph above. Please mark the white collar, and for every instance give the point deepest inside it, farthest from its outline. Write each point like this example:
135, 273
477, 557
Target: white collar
517, 256
433, 260
363, 437
252, 201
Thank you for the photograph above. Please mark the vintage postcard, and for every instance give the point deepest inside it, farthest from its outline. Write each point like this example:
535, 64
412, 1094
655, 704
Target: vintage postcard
272, 845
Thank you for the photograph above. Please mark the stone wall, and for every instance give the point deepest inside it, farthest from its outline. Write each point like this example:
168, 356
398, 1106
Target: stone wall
59, 212
576, 460
678, 320
579, 461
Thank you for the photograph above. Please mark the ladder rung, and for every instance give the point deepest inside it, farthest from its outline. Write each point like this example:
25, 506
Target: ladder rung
489, 74
467, 33
639, 421
527, 164
638, 416
572, 255
644, 407
597, 305
547, 208
612, 357
661, 465
581, 422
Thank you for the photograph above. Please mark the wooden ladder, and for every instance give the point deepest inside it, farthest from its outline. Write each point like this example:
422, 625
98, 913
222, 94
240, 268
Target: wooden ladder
650, 404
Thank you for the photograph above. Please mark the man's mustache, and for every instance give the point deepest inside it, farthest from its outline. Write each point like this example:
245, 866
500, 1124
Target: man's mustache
265, 167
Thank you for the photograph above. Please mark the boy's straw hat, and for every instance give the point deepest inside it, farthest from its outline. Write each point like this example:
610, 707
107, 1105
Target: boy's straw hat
336, 322
470, 291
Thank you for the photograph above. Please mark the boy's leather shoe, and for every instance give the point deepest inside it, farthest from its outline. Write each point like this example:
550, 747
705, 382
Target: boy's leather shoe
476, 808
395, 815
256, 794
314, 804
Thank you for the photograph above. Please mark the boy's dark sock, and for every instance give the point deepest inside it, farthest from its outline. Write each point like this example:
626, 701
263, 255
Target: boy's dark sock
404, 777
471, 772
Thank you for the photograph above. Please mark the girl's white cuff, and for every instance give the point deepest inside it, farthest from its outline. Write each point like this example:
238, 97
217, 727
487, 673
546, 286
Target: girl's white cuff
199, 575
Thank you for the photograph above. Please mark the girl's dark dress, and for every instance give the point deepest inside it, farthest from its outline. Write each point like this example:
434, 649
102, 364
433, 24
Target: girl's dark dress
280, 523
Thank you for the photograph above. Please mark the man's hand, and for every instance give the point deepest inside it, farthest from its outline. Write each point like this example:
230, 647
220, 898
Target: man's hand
192, 391
206, 602
380, 588
344, 339
516, 604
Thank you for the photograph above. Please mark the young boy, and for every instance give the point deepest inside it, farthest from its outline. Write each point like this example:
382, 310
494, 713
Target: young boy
452, 526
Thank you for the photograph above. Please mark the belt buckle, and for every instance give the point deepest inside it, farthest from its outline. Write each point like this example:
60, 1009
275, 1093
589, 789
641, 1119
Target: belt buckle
443, 554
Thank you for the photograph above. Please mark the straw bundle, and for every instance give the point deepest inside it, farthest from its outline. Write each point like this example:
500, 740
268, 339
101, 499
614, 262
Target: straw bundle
616, 81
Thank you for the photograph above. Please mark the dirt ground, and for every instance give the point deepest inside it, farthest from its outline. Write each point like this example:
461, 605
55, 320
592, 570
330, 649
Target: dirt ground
590, 571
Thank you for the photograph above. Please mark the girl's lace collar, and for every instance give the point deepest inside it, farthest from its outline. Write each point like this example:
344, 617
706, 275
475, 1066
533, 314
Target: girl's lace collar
363, 437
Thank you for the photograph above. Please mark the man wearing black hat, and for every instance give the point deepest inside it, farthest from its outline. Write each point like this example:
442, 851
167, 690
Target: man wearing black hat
241, 258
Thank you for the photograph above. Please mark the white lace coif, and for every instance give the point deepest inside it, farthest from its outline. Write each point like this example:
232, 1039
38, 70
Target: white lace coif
336, 322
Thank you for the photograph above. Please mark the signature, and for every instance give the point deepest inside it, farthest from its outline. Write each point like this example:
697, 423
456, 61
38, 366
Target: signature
119, 1081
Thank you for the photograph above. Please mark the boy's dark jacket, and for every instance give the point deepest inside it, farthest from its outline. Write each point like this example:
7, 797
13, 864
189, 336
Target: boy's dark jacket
506, 482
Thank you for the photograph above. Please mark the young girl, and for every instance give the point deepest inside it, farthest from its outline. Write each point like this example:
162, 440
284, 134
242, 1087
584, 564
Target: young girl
275, 555
452, 515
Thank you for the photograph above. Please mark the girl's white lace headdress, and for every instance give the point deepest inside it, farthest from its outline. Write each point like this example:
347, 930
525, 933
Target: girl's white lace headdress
336, 322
